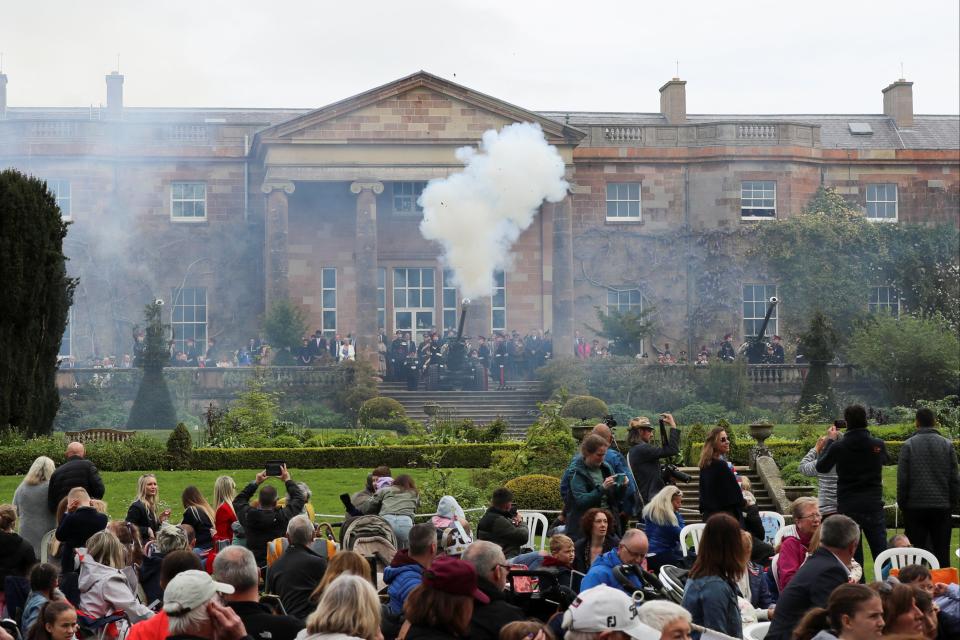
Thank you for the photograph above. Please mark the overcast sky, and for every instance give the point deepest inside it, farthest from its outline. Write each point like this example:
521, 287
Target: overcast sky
737, 57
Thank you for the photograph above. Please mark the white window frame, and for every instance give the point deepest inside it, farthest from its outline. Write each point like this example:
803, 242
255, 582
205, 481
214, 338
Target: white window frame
61, 191
885, 202
421, 306
325, 308
499, 289
447, 288
66, 337
184, 200
759, 305
180, 336
407, 192
382, 298
619, 305
884, 299
622, 198
749, 190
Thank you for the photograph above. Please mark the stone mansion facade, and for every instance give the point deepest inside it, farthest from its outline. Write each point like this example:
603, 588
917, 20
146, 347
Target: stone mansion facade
221, 211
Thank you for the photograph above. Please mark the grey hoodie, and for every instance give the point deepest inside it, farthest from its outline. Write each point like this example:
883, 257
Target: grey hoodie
827, 482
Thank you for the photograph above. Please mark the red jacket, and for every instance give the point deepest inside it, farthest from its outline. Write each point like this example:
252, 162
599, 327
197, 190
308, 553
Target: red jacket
155, 628
223, 520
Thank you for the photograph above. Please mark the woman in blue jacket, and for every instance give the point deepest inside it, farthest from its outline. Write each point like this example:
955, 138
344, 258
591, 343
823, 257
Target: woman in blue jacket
711, 592
663, 522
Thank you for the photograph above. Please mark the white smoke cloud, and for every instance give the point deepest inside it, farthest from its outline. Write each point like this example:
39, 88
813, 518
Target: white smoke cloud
478, 213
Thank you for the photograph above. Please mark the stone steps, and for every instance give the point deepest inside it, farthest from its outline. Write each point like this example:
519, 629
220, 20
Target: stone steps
691, 492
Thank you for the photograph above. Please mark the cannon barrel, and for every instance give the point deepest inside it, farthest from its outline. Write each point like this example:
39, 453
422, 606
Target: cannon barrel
756, 345
766, 319
464, 305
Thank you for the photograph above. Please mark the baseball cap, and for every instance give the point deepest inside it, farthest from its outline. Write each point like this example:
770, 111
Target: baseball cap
454, 576
604, 608
189, 590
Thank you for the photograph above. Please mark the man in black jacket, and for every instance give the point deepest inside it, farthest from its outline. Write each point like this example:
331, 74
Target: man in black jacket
816, 579
75, 472
645, 456
492, 568
236, 566
501, 525
859, 460
265, 522
298, 571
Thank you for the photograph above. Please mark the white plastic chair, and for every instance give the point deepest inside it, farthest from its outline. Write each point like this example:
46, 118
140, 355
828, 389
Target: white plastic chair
45, 543
790, 529
756, 631
772, 522
534, 521
900, 557
695, 531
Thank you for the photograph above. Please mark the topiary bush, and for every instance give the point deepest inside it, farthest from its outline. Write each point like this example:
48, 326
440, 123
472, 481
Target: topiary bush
536, 492
380, 408
584, 408
180, 447
702, 413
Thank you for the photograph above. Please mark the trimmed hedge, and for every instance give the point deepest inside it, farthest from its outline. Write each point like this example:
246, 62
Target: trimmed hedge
536, 492
584, 408
459, 455
783, 451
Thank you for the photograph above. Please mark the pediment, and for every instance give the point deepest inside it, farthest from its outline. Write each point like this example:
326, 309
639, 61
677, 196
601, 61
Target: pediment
421, 108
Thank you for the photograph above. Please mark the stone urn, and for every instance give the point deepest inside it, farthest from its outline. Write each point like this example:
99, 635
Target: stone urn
580, 431
760, 431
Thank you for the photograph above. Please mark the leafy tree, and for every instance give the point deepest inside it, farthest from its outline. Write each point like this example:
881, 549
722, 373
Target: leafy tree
913, 357
153, 408
625, 330
818, 344
37, 294
285, 326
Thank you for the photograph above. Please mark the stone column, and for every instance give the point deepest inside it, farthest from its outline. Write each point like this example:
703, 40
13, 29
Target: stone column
365, 266
276, 229
563, 295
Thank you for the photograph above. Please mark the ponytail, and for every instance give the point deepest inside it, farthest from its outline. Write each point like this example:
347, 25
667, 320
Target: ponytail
815, 621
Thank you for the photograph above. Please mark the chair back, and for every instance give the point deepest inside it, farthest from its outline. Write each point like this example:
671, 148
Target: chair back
772, 523
899, 557
790, 529
46, 542
535, 521
756, 631
695, 531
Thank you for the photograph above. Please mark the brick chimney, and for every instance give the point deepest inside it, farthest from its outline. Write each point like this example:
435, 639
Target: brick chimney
114, 95
898, 103
673, 101
3, 96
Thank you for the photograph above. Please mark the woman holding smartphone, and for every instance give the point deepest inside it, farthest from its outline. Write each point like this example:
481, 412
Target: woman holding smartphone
143, 513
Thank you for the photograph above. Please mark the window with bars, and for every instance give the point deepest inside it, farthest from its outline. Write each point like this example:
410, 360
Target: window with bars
405, 195
413, 299
884, 300
498, 302
60, 189
328, 301
755, 299
624, 300
449, 297
189, 318
882, 202
758, 199
188, 201
623, 201
382, 298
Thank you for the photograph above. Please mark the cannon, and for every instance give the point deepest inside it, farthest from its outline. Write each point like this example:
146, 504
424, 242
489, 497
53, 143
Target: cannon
756, 346
450, 367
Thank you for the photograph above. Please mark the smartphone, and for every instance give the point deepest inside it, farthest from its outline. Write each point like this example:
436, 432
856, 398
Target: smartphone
274, 468
619, 478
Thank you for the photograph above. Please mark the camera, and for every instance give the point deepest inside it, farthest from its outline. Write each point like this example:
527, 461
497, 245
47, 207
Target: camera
670, 474
610, 421
840, 424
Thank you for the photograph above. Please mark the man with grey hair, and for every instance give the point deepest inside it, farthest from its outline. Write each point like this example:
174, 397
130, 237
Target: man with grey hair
632, 550
492, 568
194, 613
824, 571
236, 566
298, 570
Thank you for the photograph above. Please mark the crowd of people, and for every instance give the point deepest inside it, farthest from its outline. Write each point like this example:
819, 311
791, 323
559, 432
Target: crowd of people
252, 563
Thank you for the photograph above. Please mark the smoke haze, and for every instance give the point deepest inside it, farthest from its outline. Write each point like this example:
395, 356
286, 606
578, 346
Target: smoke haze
478, 213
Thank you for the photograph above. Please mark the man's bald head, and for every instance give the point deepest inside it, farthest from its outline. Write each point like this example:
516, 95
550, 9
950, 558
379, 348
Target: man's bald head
603, 431
76, 449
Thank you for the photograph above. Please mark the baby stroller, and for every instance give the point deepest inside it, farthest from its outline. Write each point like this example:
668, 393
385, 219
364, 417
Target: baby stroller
372, 537
673, 580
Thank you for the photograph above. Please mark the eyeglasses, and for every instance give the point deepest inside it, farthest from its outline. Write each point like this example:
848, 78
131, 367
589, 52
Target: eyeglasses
811, 515
640, 555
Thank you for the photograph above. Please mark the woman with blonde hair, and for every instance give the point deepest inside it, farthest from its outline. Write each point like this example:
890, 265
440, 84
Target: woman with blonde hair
348, 609
342, 562
719, 490
30, 499
224, 491
663, 522
198, 514
103, 586
143, 513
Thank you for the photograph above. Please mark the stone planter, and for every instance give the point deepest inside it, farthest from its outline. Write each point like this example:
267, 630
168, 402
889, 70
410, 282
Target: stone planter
795, 492
581, 431
760, 431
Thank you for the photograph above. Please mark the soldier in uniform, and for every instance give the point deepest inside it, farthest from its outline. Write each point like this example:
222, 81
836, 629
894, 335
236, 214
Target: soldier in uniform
727, 353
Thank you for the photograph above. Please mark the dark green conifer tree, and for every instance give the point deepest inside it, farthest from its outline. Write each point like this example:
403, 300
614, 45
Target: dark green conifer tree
153, 408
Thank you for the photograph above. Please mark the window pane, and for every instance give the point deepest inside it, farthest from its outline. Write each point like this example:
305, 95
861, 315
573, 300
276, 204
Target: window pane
404, 320
399, 277
413, 278
329, 299
329, 278
413, 297
427, 298
399, 298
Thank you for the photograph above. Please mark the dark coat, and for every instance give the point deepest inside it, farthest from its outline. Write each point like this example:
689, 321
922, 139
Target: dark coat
720, 491
583, 494
143, 519
581, 551
202, 527
263, 525
75, 472
645, 463
497, 527
75, 529
418, 632
488, 619
809, 588
17, 557
294, 576
260, 622
150, 576
859, 459
927, 476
